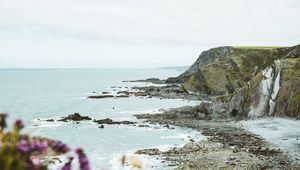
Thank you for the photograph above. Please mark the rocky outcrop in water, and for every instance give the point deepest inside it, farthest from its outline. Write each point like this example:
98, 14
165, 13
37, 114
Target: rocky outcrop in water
75, 117
149, 80
109, 121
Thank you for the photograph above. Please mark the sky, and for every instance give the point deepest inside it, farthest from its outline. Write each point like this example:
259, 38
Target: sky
137, 33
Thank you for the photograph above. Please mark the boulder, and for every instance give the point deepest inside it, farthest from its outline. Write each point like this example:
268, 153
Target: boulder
75, 117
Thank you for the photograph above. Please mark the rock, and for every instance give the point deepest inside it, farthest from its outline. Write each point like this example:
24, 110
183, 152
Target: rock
143, 126
167, 126
111, 122
101, 96
125, 93
75, 117
105, 92
231, 158
247, 82
122, 96
141, 94
150, 80
50, 120
149, 151
101, 126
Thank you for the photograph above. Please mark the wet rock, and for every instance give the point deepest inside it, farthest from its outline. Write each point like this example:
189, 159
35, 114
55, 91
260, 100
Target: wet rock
75, 117
101, 126
154, 151
150, 80
109, 121
101, 96
143, 126
122, 96
125, 93
105, 92
50, 120
140, 94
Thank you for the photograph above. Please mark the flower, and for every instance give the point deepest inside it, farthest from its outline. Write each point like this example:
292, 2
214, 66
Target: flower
3, 120
83, 160
23, 146
79, 151
60, 147
68, 165
19, 124
32, 146
36, 162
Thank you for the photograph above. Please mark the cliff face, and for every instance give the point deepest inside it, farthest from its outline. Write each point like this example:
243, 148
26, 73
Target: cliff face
249, 82
224, 70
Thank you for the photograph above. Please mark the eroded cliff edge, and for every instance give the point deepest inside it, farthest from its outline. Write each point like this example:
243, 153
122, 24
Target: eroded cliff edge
246, 81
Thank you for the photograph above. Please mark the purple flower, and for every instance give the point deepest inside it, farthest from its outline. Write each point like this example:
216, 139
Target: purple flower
19, 124
79, 151
60, 147
68, 165
44, 145
36, 162
3, 120
32, 146
23, 146
83, 160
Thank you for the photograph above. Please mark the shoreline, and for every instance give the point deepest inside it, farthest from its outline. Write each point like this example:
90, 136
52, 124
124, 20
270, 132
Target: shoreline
227, 146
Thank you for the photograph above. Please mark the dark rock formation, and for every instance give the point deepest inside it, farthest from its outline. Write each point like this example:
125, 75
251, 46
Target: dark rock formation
101, 96
150, 80
149, 151
75, 117
109, 121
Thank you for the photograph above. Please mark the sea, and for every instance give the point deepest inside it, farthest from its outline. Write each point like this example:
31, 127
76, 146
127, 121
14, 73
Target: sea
35, 95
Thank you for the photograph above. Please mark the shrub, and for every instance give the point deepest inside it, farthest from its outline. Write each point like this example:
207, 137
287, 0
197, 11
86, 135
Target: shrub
24, 152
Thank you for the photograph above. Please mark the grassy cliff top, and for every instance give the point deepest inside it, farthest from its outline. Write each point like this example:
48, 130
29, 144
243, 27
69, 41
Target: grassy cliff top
258, 47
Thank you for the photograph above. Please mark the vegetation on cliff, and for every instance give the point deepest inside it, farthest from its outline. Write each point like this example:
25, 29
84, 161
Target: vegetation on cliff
249, 81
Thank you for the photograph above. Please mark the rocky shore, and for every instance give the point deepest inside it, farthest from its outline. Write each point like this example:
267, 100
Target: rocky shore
233, 84
228, 146
166, 91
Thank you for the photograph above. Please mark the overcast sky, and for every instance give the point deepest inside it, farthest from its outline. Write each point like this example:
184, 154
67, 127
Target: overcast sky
137, 33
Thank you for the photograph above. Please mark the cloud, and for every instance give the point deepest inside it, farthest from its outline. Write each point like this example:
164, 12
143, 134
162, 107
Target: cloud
105, 31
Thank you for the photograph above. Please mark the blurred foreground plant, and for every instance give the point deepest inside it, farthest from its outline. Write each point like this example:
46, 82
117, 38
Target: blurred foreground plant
23, 152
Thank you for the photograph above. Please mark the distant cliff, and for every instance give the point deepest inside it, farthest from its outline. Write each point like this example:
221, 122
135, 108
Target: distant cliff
247, 81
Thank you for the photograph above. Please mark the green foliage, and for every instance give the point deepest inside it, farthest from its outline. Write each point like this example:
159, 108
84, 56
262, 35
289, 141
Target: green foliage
23, 152
258, 47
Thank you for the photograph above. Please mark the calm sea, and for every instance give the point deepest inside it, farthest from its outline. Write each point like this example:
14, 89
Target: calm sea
33, 94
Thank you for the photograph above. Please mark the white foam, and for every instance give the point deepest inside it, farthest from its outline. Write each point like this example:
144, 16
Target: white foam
37, 123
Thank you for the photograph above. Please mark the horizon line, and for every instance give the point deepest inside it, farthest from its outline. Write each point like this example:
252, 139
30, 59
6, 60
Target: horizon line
86, 68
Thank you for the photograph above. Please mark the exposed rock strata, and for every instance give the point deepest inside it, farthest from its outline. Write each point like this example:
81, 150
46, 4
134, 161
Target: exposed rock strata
247, 82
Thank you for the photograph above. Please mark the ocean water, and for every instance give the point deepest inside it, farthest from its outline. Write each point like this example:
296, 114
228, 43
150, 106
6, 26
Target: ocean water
38, 94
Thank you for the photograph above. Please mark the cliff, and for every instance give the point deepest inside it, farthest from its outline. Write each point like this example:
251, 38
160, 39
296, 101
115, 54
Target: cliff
247, 82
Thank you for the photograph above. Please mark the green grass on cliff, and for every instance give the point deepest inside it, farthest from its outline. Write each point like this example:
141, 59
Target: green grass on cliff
257, 47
